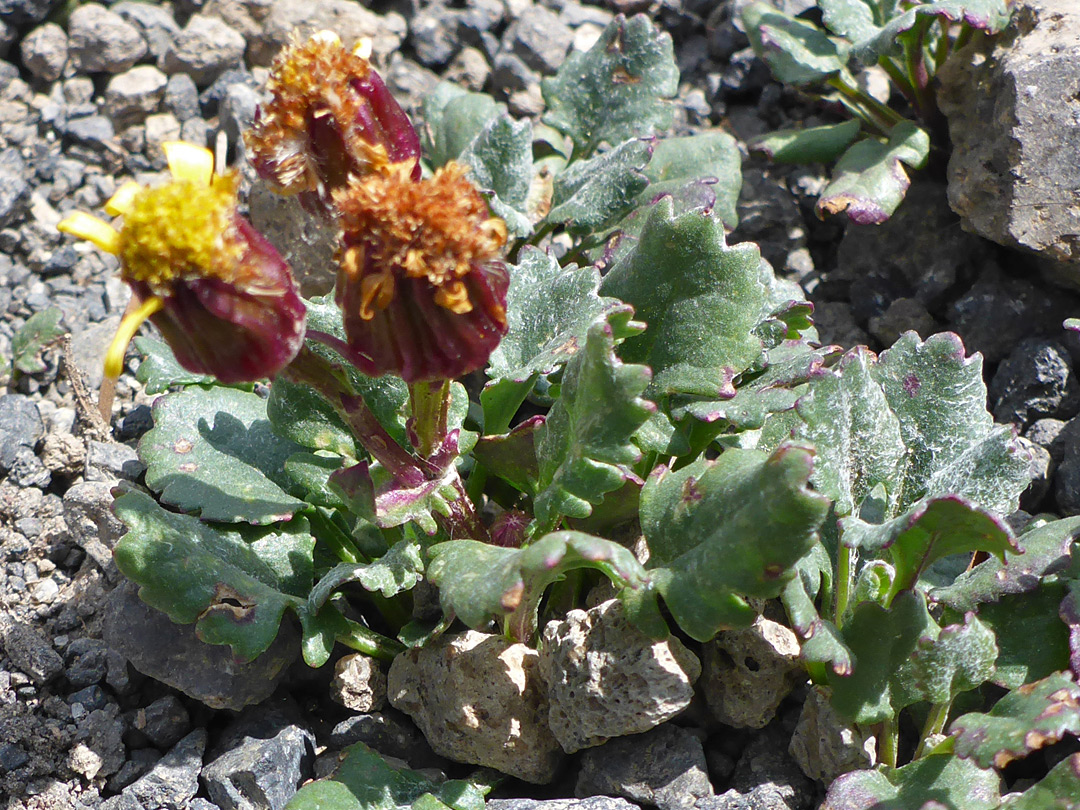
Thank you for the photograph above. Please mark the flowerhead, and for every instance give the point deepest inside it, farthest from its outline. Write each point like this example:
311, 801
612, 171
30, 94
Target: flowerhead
220, 294
330, 121
421, 282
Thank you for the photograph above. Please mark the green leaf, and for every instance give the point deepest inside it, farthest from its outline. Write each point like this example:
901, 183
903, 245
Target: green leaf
307, 477
512, 456
1040, 553
987, 15
159, 370
960, 659
929, 531
212, 451
1025, 720
40, 329
721, 531
822, 642
398, 570
479, 582
822, 144
233, 590
585, 446
617, 89
853, 19
300, 414
940, 782
869, 180
797, 52
679, 275
453, 119
501, 157
1058, 790
707, 155
364, 780
1032, 639
593, 194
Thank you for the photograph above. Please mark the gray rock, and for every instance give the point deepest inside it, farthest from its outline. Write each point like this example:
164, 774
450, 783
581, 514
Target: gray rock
44, 51
139, 761
93, 131
1044, 432
824, 746
23, 12
204, 49
27, 470
511, 74
1042, 469
767, 777
433, 34
1011, 173
92, 524
591, 803
109, 461
85, 660
359, 684
30, 651
748, 672
540, 38
902, 315
349, 20
268, 757
1035, 380
479, 699
469, 68
386, 732
664, 767
163, 722
172, 654
155, 23
99, 747
14, 187
181, 97
174, 779
20, 427
237, 111
12, 757
134, 94
1067, 479
608, 679
99, 41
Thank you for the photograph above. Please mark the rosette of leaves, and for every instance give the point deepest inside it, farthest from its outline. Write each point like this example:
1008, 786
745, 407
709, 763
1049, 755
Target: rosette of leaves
875, 148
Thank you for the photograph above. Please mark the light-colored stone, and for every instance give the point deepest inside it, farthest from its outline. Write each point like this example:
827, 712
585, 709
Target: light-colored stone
160, 129
99, 41
479, 699
44, 51
748, 672
348, 20
824, 746
608, 679
359, 684
204, 49
134, 94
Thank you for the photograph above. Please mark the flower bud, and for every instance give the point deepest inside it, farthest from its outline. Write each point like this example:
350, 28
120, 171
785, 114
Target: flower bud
330, 120
421, 283
221, 295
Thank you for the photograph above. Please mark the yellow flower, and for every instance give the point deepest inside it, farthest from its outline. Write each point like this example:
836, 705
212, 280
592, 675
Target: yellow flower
220, 294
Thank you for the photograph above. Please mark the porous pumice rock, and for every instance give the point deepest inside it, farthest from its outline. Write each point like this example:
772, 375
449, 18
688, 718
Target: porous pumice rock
479, 699
748, 672
608, 679
358, 683
824, 746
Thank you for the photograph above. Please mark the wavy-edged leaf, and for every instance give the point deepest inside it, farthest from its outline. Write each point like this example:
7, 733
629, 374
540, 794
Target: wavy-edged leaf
960, 659
869, 180
512, 456
679, 275
585, 448
480, 582
1069, 613
399, 569
453, 119
616, 90
593, 194
1058, 790
939, 782
705, 156
363, 780
987, 15
822, 144
159, 370
882, 641
797, 52
853, 19
721, 531
212, 451
235, 590
821, 641
1041, 552
1032, 639
501, 158
1025, 720
40, 329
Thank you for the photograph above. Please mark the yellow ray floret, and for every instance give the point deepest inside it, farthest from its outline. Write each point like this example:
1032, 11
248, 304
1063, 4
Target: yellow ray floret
92, 229
114, 358
120, 202
189, 162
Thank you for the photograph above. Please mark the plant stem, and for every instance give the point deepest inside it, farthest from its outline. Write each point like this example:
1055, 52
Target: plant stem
843, 583
935, 722
875, 113
430, 402
367, 641
889, 742
915, 65
340, 543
